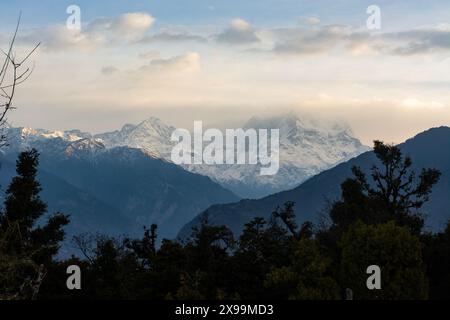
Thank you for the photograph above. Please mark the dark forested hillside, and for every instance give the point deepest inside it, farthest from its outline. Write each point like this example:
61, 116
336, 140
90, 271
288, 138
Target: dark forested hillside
375, 226
118, 191
428, 149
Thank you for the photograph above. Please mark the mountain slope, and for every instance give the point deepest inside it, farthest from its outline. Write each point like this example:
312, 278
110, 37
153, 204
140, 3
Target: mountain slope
428, 149
87, 213
121, 182
144, 189
307, 147
151, 135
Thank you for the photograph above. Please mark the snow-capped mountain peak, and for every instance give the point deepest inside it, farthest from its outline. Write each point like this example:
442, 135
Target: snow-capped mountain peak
151, 135
307, 147
84, 145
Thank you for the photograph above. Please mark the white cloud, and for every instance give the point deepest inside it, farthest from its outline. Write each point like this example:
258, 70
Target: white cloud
188, 62
310, 38
129, 26
132, 22
150, 55
324, 39
315, 40
240, 25
60, 38
126, 28
173, 37
239, 32
415, 103
419, 41
404, 80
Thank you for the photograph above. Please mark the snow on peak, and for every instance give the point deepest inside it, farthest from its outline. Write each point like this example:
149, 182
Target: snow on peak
151, 135
307, 147
84, 146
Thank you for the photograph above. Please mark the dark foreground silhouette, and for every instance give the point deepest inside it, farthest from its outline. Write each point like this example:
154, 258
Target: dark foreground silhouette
376, 222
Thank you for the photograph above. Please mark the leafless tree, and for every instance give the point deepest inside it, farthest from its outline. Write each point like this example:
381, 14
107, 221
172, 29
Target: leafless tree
13, 72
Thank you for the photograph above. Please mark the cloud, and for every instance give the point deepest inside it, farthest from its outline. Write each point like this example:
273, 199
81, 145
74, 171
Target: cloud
60, 38
124, 29
109, 70
150, 55
419, 104
188, 62
132, 22
307, 39
167, 36
301, 41
129, 26
420, 41
240, 32
324, 39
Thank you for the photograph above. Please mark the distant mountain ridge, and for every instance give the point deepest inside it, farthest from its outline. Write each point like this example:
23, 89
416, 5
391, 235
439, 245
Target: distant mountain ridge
307, 147
113, 190
427, 150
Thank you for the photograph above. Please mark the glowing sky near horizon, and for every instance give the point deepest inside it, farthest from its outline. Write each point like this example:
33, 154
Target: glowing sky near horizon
225, 61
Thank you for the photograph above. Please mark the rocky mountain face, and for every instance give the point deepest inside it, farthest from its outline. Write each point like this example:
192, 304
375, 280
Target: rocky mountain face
307, 147
119, 181
427, 150
114, 190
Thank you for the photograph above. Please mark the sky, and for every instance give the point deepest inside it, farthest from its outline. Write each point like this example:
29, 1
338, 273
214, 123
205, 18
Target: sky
225, 61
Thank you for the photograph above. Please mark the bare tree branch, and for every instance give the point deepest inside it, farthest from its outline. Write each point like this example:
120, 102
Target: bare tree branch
13, 73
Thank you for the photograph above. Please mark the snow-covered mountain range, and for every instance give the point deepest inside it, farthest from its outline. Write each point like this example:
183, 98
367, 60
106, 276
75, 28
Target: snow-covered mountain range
307, 147
312, 198
111, 191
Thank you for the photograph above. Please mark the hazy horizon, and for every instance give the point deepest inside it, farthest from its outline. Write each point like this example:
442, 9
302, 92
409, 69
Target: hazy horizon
225, 62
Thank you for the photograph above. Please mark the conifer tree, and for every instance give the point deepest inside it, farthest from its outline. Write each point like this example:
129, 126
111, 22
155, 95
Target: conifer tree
26, 246
396, 192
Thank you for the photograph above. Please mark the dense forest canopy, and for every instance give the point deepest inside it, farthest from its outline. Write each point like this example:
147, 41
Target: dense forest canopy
375, 222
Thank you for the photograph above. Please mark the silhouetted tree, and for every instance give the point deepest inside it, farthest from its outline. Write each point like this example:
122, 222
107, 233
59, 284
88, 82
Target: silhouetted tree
287, 216
306, 278
437, 257
261, 247
375, 223
208, 253
395, 192
145, 248
395, 250
26, 248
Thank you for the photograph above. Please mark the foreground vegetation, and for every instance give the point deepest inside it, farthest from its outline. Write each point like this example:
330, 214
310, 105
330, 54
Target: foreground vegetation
376, 222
